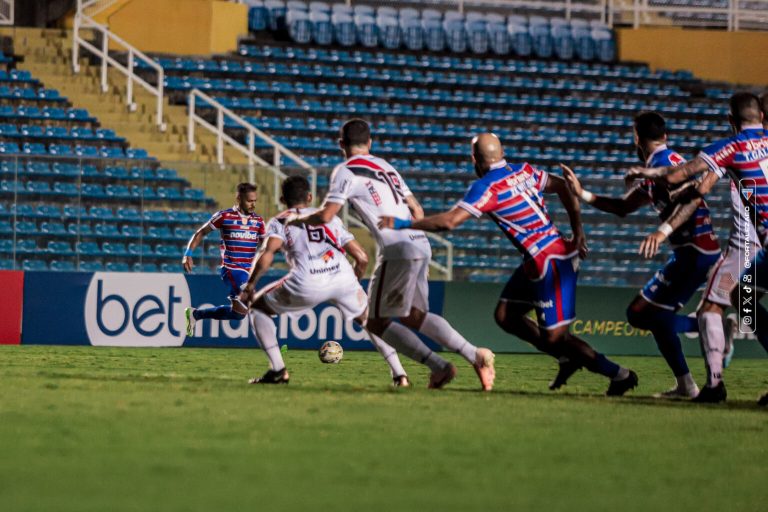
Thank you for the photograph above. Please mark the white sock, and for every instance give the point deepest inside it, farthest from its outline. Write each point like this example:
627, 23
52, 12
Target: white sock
266, 335
389, 354
713, 345
623, 374
686, 381
407, 343
438, 328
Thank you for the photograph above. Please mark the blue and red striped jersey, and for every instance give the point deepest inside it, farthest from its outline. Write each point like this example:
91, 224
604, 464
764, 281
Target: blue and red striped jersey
511, 195
241, 236
697, 230
744, 157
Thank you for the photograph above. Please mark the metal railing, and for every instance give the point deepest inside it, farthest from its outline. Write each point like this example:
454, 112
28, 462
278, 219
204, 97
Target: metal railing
198, 99
84, 21
6, 12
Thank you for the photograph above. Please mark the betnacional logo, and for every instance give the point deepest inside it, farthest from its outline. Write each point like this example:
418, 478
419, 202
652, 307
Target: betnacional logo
136, 309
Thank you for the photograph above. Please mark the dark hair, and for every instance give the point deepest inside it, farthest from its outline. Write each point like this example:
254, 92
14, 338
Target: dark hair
244, 188
650, 126
355, 132
764, 103
745, 108
295, 190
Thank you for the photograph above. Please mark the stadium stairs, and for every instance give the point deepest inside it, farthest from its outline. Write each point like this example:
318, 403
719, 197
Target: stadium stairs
47, 55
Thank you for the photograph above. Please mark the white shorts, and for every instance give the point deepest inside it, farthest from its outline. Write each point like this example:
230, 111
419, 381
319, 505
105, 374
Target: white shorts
724, 276
292, 294
397, 286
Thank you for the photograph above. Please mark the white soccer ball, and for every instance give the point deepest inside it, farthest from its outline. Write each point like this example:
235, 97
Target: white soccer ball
331, 352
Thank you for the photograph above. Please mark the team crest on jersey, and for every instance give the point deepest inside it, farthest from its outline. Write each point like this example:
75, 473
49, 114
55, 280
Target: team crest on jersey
328, 256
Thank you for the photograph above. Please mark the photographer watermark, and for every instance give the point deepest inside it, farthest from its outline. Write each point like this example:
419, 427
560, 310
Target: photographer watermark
747, 293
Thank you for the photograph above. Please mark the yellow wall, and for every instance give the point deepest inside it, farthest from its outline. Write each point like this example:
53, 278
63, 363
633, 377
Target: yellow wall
187, 27
738, 57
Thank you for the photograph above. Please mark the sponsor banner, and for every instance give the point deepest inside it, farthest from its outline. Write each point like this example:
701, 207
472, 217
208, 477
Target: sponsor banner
147, 310
600, 320
11, 300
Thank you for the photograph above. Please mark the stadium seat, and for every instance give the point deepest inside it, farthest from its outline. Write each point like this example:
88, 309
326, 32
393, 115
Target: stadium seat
477, 35
257, 15
34, 265
367, 32
117, 266
434, 34
276, 12
322, 30
388, 29
344, 31
299, 26
412, 33
455, 33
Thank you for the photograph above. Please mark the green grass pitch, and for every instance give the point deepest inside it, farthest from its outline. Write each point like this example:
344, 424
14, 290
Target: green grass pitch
97, 429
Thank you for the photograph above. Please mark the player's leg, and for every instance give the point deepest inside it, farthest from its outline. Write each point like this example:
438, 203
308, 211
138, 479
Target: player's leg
352, 301
555, 304
385, 293
267, 302
233, 278
511, 314
439, 330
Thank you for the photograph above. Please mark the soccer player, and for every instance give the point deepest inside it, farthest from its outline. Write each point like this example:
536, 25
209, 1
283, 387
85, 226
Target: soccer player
694, 245
511, 195
398, 288
319, 272
743, 156
242, 230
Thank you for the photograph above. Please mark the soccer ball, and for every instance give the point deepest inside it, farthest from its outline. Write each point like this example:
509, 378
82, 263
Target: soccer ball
331, 352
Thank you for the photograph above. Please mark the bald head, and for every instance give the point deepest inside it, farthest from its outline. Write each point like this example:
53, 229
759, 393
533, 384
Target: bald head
486, 150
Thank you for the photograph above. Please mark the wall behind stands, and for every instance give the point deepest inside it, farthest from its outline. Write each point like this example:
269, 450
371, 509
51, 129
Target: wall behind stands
186, 27
737, 57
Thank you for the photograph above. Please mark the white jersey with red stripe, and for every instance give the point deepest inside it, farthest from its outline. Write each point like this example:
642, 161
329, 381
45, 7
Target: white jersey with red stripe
314, 253
375, 189
741, 225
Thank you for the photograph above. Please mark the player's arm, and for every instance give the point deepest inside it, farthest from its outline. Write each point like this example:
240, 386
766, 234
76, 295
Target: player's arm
417, 212
322, 216
360, 257
445, 221
557, 185
261, 263
193, 243
671, 174
686, 204
630, 202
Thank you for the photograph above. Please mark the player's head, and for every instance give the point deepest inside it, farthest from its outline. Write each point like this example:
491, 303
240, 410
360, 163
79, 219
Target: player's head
355, 138
296, 192
246, 197
486, 151
744, 110
650, 129
764, 108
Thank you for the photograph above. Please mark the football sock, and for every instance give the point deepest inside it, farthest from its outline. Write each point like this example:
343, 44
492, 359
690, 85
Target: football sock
438, 328
664, 325
670, 347
713, 345
266, 335
604, 366
389, 354
217, 313
407, 343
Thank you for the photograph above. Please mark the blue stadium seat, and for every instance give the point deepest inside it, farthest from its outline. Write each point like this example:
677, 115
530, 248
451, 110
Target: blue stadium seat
62, 266
412, 33
117, 266
541, 37
563, 40
91, 266
498, 35
477, 35
53, 228
114, 249
145, 267
299, 26
388, 30
34, 265
367, 32
257, 15
455, 33
59, 248
276, 11
344, 31
604, 44
322, 30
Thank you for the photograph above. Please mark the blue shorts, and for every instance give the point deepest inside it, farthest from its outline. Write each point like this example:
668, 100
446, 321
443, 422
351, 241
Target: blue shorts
674, 284
553, 295
234, 278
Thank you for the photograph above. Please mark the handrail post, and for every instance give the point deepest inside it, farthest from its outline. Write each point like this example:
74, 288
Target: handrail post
251, 152
220, 137
636, 8
449, 262
568, 9
191, 122
76, 39
104, 54
160, 96
314, 185
129, 85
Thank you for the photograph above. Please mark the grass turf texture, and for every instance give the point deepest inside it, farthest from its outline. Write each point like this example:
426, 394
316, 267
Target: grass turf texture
95, 429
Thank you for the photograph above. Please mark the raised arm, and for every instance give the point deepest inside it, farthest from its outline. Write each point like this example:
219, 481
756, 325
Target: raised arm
685, 206
194, 242
671, 175
557, 185
630, 202
360, 257
322, 216
445, 221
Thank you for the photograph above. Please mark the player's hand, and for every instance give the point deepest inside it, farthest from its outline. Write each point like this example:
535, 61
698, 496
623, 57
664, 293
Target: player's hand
650, 246
574, 185
359, 271
386, 222
580, 240
187, 263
